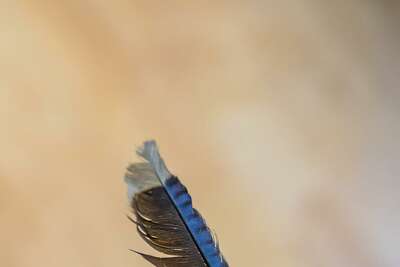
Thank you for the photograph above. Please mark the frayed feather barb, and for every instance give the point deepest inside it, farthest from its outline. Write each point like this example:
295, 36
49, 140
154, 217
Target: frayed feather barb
165, 217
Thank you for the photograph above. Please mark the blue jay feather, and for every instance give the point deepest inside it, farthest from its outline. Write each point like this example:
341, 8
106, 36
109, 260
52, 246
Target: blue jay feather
165, 217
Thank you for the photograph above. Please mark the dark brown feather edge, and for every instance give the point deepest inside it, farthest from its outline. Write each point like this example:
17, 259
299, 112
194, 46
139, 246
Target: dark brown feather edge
160, 225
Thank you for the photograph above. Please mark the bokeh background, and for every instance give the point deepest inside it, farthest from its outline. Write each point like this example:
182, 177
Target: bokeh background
282, 118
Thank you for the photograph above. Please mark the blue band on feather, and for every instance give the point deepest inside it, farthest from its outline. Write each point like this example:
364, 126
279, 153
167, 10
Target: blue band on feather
194, 222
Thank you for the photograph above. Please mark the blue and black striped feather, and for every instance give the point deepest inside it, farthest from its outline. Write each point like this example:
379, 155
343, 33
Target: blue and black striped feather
165, 217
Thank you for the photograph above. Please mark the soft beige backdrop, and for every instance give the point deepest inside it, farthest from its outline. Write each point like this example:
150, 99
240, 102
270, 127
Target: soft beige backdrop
282, 117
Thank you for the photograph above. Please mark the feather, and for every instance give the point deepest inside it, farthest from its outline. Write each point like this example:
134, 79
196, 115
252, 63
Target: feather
165, 217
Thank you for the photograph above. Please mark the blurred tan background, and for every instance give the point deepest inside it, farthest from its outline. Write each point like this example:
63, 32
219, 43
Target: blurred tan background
282, 118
